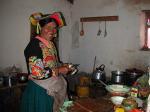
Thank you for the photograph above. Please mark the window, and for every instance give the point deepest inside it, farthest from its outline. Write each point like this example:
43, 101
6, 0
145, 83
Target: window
145, 30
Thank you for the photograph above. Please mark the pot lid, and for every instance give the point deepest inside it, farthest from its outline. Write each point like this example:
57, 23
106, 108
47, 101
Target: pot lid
118, 72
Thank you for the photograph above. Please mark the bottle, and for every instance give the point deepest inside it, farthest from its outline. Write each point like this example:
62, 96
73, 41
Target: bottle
134, 90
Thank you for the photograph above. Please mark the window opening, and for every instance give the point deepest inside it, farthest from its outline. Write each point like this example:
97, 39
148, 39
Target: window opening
145, 30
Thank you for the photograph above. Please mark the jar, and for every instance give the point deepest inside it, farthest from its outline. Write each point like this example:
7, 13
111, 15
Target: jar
129, 104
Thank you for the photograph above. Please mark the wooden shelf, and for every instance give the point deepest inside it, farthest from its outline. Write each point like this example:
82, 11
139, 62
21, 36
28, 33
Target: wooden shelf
101, 18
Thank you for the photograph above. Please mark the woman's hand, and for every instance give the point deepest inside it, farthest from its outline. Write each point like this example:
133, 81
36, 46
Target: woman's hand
55, 72
64, 69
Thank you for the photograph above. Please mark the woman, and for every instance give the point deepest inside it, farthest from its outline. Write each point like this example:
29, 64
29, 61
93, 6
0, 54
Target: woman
46, 88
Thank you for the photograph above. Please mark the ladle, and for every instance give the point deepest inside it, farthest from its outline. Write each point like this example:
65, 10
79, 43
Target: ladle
105, 33
103, 83
99, 30
106, 86
82, 31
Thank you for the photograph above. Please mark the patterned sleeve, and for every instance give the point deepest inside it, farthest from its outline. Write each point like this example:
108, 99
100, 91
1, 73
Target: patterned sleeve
37, 69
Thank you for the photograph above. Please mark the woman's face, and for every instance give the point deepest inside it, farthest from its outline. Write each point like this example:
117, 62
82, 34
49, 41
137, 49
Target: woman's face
49, 31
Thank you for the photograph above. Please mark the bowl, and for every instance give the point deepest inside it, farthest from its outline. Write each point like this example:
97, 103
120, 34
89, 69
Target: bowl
117, 89
117, 100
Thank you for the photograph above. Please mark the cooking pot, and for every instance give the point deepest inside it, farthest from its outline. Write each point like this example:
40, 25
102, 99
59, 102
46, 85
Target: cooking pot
1, 80
22, 77
9, 80
99, 73
118, 77
132, 75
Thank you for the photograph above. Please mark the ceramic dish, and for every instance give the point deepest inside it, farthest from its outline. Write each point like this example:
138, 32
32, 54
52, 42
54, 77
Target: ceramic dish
117, 100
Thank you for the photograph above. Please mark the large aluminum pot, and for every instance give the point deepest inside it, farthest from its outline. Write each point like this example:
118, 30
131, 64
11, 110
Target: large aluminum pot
118, 77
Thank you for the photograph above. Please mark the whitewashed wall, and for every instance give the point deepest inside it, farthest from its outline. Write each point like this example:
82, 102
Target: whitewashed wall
120, 49
15, 28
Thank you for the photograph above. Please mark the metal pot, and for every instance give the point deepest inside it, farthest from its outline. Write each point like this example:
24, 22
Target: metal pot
132, 75
99, 73
9, 80
1, 80
22, 77
118, 77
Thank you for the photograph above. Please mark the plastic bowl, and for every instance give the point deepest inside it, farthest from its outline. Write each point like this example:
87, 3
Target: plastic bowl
117, 100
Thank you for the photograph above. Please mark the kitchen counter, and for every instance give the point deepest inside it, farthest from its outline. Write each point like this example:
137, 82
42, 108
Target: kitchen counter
13, 86
11, 97
101, 104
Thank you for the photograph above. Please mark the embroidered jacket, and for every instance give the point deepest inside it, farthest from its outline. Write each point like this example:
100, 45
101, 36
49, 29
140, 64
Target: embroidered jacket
41, 57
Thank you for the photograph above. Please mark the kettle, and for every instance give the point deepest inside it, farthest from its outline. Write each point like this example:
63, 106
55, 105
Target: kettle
99, 74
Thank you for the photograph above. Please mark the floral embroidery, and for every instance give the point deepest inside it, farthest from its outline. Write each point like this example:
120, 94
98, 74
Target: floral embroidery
37, 69
40, 67
49, 55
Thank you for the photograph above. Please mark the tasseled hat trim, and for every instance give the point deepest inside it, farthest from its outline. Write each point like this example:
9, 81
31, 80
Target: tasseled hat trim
39, 20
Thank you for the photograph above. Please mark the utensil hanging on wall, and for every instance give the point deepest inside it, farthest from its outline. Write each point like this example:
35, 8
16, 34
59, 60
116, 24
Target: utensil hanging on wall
99, 30
82, 29
94, 63
105, 30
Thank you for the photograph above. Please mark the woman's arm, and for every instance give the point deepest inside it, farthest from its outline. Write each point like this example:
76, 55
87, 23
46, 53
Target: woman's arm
37, 69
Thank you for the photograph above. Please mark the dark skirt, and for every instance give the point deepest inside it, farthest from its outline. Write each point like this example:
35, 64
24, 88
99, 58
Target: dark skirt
35, 99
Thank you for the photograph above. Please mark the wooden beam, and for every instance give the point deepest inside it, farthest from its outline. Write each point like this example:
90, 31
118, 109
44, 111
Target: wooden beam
101, 18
